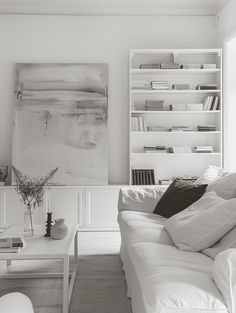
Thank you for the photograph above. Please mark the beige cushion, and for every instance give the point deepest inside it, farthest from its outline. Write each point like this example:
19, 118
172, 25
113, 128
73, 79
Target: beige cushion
225, 186
211, 173
226, 242
203, 223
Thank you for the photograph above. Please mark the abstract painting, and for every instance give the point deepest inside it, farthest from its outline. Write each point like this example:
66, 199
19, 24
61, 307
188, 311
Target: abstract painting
60, 119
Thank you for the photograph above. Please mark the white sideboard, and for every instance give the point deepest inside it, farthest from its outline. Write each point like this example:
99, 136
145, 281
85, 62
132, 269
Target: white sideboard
94, 208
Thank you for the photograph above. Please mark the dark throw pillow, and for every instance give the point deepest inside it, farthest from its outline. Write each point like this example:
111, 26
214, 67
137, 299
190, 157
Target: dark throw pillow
178, 196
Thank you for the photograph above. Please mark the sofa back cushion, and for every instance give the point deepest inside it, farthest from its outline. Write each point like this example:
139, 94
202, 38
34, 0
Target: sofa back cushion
178, 197
224, 186
202, 224
140, 198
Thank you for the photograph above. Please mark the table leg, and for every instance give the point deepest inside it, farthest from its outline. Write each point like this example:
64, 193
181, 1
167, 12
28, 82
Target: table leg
66, 284
76, 247
8, 263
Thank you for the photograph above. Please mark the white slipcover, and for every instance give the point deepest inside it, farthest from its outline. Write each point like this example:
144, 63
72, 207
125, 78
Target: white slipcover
174, 281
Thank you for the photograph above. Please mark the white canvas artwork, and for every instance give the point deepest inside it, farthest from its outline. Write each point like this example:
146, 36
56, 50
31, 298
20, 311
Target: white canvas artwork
60, 120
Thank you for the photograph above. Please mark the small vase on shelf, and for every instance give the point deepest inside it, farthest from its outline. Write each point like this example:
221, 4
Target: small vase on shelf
28, 221
59, 229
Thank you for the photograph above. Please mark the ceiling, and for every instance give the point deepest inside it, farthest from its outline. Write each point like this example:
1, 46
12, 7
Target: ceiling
113, 7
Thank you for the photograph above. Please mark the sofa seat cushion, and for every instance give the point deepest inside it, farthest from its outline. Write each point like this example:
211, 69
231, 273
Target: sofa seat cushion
174, 280
142, 227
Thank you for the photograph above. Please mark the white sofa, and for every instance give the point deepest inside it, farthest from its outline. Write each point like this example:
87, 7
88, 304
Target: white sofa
161, 278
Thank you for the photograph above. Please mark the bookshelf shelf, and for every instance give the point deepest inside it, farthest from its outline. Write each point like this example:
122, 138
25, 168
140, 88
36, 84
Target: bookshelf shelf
176, 132
174, 112
187, 111
153, 154
171, 91
175, 71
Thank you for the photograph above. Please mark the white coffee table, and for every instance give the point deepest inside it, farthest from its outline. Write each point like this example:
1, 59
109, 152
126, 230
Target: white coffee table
42, 248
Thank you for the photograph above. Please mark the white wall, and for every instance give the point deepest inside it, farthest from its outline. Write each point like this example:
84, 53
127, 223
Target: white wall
92, 39
226, 21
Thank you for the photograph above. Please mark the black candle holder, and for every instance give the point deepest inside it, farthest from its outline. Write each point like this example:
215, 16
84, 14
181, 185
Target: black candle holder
48, 225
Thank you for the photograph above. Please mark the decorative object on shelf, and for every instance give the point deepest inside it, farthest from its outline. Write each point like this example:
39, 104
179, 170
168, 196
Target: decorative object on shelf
61, 113
3, 175
143, 177
207, 87
31, 192
59, 229
48, 224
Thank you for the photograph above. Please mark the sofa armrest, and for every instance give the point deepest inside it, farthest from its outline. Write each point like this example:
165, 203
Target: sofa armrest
143, 199
224, 275
15, 302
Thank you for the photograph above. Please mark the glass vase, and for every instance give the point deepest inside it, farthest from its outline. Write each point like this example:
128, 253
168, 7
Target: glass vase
28, 221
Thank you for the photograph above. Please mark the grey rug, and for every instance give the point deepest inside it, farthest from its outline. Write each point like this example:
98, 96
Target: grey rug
99, 287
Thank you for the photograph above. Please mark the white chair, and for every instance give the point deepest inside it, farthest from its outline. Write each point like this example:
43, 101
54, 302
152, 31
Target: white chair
15, 302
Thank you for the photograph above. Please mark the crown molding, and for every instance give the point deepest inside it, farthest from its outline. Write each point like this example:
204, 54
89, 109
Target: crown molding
113, 7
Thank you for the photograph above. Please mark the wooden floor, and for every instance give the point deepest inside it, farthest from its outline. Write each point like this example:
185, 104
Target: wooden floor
99, 287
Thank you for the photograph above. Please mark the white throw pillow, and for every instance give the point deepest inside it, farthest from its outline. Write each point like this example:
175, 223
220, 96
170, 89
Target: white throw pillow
224, 275
140, 198
203, 223
225, 186
211, 173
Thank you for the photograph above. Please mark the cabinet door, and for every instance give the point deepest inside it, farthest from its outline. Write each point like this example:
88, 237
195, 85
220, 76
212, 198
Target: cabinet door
12, 208
101, 207
67, 203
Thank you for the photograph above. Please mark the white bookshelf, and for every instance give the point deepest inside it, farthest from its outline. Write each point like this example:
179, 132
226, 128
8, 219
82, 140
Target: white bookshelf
168, 165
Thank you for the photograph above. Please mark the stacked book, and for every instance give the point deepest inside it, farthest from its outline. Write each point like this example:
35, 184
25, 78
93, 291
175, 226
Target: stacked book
177, 107
190, 66
206, 128
180, 129
203, 149
208, 66
165, 181
180, 86
169, 66
150, 66
157, 129
11, 245
159, 85
211, 103
138, 123
154, 105
155, 149
207, 87
143, 177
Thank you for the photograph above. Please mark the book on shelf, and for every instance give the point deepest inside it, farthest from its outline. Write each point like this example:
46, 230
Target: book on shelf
155, 149
165, 181
11, 245
211, 103
182, 149
154, 105
207, 87
202, 149
159, 85
205, 128
140, 84
209, 66
181, 86
143, 177
138, 123
193, 66
177, 107
169, 66
180, 129
157, 129
150, 66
